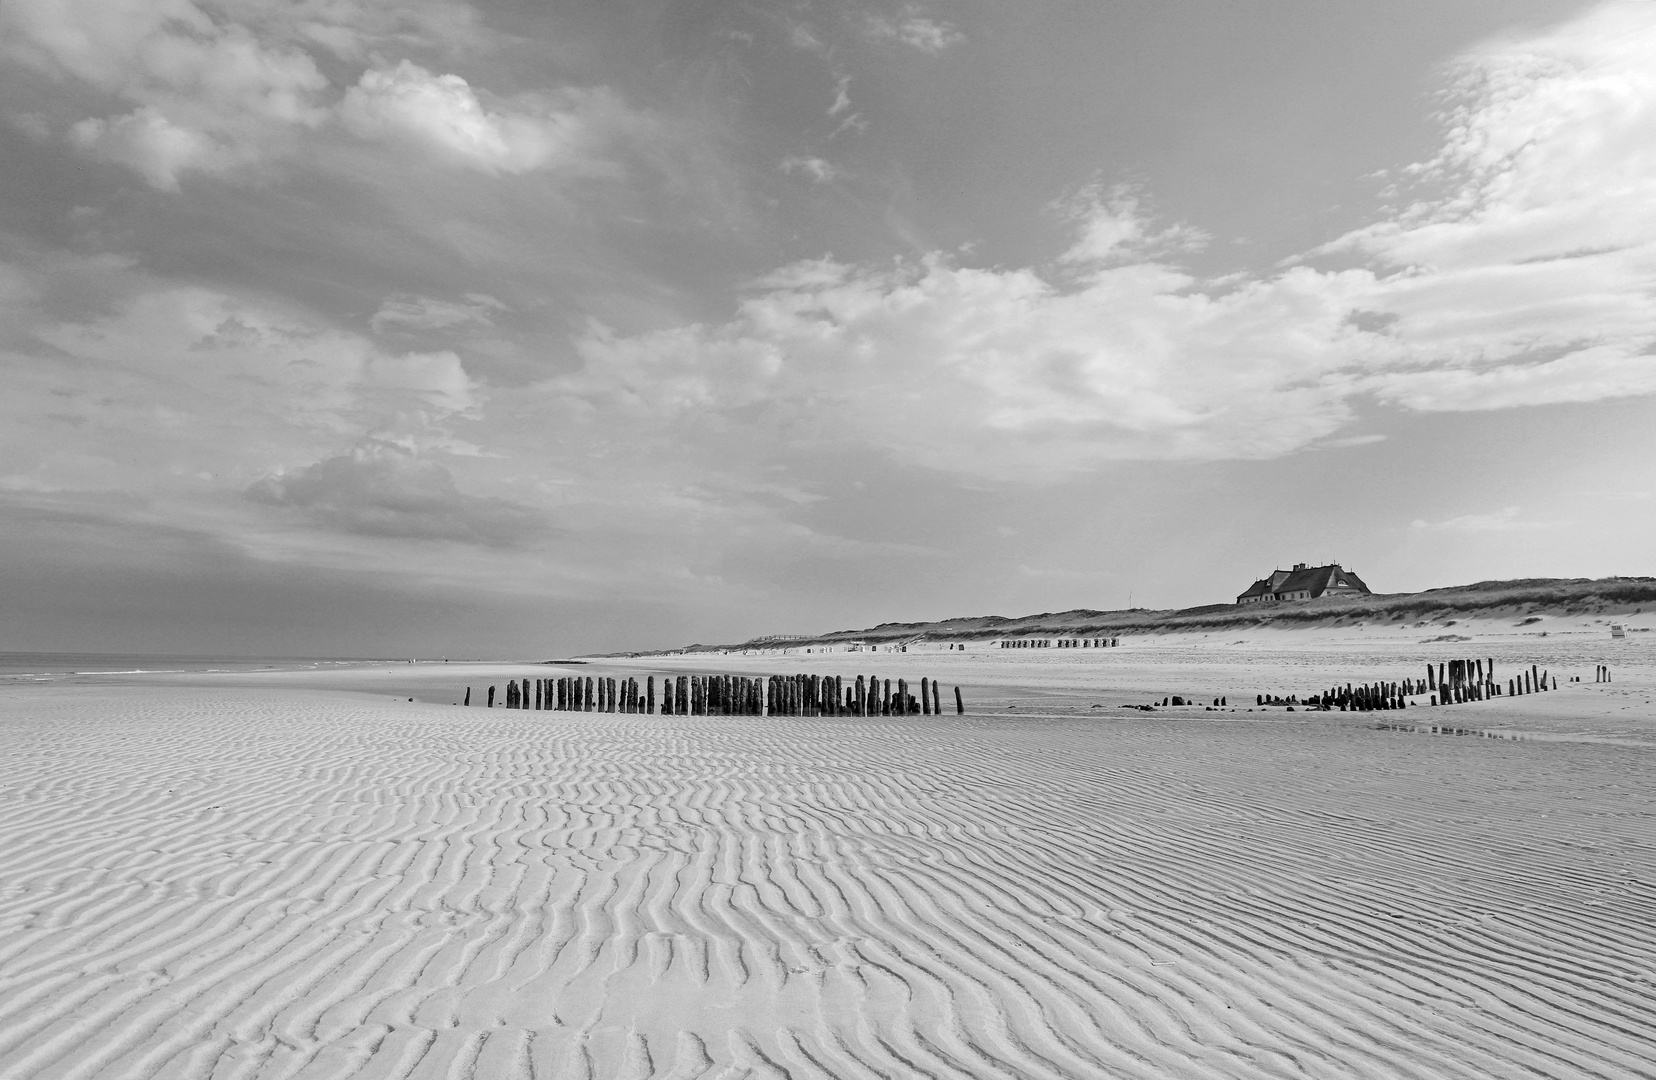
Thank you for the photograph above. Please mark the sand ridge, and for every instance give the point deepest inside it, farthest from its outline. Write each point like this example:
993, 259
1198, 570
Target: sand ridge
221, 882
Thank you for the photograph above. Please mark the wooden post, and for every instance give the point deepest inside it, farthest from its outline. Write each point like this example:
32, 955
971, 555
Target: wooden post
925, 696
468, 695
960, 704
491, 697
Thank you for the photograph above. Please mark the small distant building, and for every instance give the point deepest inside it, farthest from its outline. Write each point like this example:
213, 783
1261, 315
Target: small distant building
1304, 583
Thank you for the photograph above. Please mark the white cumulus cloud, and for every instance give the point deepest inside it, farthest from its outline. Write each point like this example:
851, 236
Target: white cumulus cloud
209, 93
1525, 275
444, 113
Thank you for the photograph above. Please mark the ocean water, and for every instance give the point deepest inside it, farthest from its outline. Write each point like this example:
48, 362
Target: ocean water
56, 665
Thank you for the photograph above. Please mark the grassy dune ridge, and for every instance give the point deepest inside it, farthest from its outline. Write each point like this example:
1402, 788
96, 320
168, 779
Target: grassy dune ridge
1485, 599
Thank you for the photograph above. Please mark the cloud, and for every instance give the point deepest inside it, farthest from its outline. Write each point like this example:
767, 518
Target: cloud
420, 313
217, 86
149, 143
210, 94
814, 169
379, 490
842, 95
915, 29
153, 50
444, 113
1525, 278
244, 353
175, 392
1505, 520
1005, 374
1114, 227
1524, 273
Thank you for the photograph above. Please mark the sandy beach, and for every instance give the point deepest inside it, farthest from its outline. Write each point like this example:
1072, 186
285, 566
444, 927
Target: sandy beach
305, 874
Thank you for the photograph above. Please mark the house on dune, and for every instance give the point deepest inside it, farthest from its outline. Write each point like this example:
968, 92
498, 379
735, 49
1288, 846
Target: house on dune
1304, 583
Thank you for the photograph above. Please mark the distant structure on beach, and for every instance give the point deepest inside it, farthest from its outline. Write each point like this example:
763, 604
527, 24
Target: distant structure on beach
1304, 583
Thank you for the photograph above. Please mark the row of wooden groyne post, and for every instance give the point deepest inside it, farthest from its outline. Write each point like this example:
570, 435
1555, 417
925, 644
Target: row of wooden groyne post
1460, 681
1452, 682
1060, 643
728, 695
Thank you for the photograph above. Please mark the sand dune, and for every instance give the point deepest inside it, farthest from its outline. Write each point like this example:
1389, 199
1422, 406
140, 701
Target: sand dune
239, 883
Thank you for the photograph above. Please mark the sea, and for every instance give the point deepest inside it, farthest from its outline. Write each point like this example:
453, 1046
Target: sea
50, 665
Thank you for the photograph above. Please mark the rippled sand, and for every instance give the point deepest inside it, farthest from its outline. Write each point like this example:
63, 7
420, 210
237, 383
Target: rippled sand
247, 881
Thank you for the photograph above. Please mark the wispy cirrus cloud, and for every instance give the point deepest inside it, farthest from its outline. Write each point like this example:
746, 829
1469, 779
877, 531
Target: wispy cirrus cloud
814, 169
1507, 519
913, 27
413, 314
1527, 277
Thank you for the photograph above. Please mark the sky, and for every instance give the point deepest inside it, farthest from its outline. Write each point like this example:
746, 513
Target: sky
432, 328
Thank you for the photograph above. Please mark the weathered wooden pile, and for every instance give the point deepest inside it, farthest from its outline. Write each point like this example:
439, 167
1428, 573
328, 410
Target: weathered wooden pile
1452, 682
1365, 698
729, 695
1459, 681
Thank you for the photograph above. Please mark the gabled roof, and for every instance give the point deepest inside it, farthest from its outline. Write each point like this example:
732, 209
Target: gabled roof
1355, 581
1312, 579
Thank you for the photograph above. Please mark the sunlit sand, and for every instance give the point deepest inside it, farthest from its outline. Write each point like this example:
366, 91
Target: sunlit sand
308, 875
